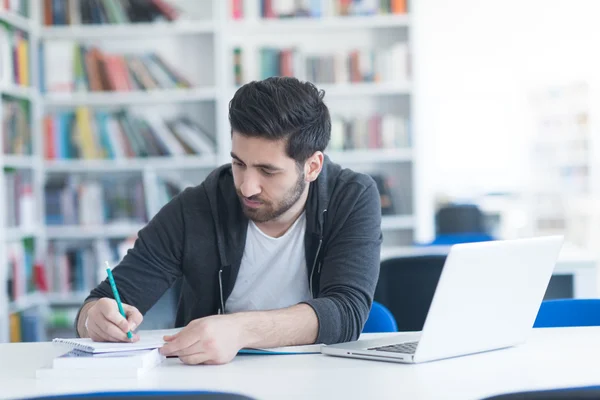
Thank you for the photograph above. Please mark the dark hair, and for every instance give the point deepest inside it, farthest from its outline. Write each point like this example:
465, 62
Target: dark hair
283, 108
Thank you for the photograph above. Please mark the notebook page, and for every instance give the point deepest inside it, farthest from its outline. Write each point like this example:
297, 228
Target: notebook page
148, 340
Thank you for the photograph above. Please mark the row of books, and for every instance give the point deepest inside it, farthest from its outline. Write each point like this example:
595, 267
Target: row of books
377, 131
72, 67
77, 266
77, 12
19, 199
22, 268
88, 134
361, 65
27, 326
14, 56
20, 7
16, 127
388, 203
93, 202
389, 64
318, 8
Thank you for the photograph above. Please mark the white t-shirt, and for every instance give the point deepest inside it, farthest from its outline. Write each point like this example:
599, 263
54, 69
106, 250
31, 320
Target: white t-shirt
273, 271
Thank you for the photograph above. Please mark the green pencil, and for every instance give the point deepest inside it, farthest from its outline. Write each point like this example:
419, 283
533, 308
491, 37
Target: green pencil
113, 286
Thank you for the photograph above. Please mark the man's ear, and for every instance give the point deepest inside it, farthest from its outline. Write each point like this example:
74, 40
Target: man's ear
313, 166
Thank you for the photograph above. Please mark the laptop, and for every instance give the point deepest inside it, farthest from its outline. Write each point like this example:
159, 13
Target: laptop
487, 298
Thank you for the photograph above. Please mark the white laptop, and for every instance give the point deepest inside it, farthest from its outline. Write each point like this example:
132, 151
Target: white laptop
487, 298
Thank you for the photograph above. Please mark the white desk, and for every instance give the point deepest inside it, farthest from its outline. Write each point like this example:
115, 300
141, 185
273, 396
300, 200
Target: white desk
571, 261
552, 358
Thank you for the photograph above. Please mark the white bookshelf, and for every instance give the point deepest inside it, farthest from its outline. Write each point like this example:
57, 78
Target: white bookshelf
17, 161
201, 47
25, 93
391, 156
300, 24
139, 30
139, 164
153, 97
30, 163
83, 232
17, 21
564, 183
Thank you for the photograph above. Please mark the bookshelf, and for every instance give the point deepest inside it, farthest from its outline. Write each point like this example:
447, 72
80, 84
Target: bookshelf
563, 191
21, 185
206, 39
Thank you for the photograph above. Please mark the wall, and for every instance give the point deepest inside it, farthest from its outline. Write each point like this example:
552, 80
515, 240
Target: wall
476, 62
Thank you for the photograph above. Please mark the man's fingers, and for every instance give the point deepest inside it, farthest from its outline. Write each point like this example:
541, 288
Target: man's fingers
182, 341
134, 316
116, 319
195, 359
97, 334
188, 351
170, 338
114, 332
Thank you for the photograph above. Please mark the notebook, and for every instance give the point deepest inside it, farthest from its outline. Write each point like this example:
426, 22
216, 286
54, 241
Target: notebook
153, 339
148, 340
85, 365
307, 349
123, 359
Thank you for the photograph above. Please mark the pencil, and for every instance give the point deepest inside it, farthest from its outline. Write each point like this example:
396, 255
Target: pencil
113, 286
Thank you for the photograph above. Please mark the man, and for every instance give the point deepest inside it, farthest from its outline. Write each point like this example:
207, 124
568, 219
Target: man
280, 247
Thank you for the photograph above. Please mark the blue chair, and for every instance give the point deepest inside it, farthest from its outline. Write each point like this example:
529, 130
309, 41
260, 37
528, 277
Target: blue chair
568, 312
573, 393
380, 320
148, 395
449, 239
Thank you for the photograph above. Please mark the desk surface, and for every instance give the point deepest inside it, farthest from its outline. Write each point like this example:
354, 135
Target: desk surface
551, 358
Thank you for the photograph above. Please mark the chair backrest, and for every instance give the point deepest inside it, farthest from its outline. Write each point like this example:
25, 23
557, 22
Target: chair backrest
406, 286
568, 312
449, 239
380, 320
148, 395
569, 393
459, 218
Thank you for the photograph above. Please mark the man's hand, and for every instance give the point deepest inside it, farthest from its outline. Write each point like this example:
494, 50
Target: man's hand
104, 322
210, 340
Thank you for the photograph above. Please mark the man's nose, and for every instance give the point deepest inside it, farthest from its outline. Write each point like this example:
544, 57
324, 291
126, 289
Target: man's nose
250, 186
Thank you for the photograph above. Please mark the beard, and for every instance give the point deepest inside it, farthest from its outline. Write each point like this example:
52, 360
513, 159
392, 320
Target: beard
268, 210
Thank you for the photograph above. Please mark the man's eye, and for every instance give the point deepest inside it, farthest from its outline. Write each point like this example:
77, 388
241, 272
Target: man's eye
267, 173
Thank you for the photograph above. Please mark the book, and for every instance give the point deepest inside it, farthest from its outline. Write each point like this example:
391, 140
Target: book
306, 349
77, 359
148, 340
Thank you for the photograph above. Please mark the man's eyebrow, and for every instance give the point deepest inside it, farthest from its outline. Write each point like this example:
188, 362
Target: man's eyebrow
270, 167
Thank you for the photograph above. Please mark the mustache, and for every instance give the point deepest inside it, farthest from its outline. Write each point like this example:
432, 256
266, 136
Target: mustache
251, 198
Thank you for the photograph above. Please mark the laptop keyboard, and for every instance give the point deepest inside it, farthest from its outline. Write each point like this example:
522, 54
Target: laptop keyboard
405, 348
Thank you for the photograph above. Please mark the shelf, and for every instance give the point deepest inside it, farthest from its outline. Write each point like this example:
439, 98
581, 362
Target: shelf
122, 31
18, 233
318, 24
15, 20
18, 161
370, 156
131, 164
66, 299
21, 92
27, 301
92, 232
395, 222
365, 89
159, 96
349, 90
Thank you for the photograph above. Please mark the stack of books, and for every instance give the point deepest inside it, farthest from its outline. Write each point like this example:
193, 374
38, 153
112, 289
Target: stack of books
88, 359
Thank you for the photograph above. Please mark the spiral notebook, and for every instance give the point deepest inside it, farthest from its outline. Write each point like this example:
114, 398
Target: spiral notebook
148, 340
